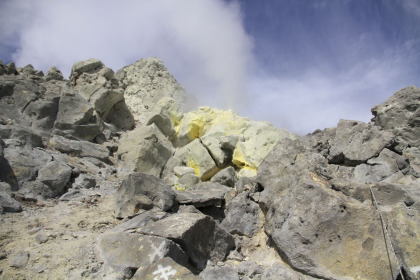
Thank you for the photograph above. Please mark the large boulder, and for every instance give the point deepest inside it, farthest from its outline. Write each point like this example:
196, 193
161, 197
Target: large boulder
400, 114
197, 234
145, 83
122, 251
145, 149
97, 85
141, 191
328, 235
56, 175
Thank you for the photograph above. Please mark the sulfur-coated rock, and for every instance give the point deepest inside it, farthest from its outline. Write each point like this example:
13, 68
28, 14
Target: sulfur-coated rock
132, 250
220, 273
146, 82
165, 268
202, 194
134, 190
197, 234
400, 114
55, 175
357, 142
226, 176
258, 140
145, 149
193, 155
79, 148
212, 142
325, 234
243, 216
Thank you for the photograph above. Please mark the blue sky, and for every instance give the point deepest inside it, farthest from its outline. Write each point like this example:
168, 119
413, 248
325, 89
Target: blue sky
300, 64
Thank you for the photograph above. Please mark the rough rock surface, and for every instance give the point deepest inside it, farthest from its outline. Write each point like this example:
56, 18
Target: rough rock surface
342, 203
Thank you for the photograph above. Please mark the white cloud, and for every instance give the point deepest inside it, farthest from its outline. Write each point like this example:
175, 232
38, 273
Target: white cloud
202, 42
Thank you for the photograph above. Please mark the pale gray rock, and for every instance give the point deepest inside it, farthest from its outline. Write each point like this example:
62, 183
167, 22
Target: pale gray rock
56, 175
219, 273
85, 66
8, 203
146, 82
79, 148
120, 116
400, 114
36, 190
282, 271
163, 269
84, 181
145, 149
197, 234
136, 188
329, 235
203, 194
187, 181
357, 142
132, 250
54, 74
226, 176
43, 112
212, 141
413, 155
20, 259
243, 216
160, 117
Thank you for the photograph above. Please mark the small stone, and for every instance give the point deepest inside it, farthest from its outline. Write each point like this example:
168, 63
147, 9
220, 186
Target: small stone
41, 238
20, 260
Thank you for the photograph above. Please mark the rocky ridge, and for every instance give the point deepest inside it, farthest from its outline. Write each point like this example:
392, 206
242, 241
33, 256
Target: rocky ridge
106, 176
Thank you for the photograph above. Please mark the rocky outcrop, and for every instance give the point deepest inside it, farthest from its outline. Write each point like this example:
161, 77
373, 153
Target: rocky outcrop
93, 187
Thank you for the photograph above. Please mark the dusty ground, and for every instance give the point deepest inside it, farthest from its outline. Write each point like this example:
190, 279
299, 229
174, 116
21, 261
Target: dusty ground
59, 238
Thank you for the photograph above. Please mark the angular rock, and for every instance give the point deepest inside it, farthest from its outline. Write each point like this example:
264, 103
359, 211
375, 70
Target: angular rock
163, 269
324, 234
258, 140
140, 220
163, 121
226, 176
219, 273
120, 116
55, 175
145, 83
400, 114
145, 149
131, 194
193, 155
20, 259
36, 190
357, 142
212, 142
203, 194
132, 250
9, 204
25, 134
43, 112
79, 148
54, 74
197, 234
243, 216
187, 181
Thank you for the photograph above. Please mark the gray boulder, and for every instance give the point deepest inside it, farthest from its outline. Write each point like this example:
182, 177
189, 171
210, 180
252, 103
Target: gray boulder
197, 234
163, 269
226, 176
79, 148
25, 134
8, 203
56, 175
203, 194
357, 142
145, 149
243, 216
121, 251
327, 235
219, 273
141, 191
400, 114
53, 74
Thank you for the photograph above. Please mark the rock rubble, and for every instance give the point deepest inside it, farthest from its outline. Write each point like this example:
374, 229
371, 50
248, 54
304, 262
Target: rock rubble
106, 176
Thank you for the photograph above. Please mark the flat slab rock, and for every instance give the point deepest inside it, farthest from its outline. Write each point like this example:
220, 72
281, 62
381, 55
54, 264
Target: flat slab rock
203, 194
198, 235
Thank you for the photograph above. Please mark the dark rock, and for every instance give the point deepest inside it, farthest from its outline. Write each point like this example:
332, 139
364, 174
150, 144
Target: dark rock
203, 194
243, 216
197, 234
132, 250
219, 273
55, 175
400, 114
36, 190
25, 134
141, 220
281, 271
79, 148
8, 203
131, 194
226, 176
